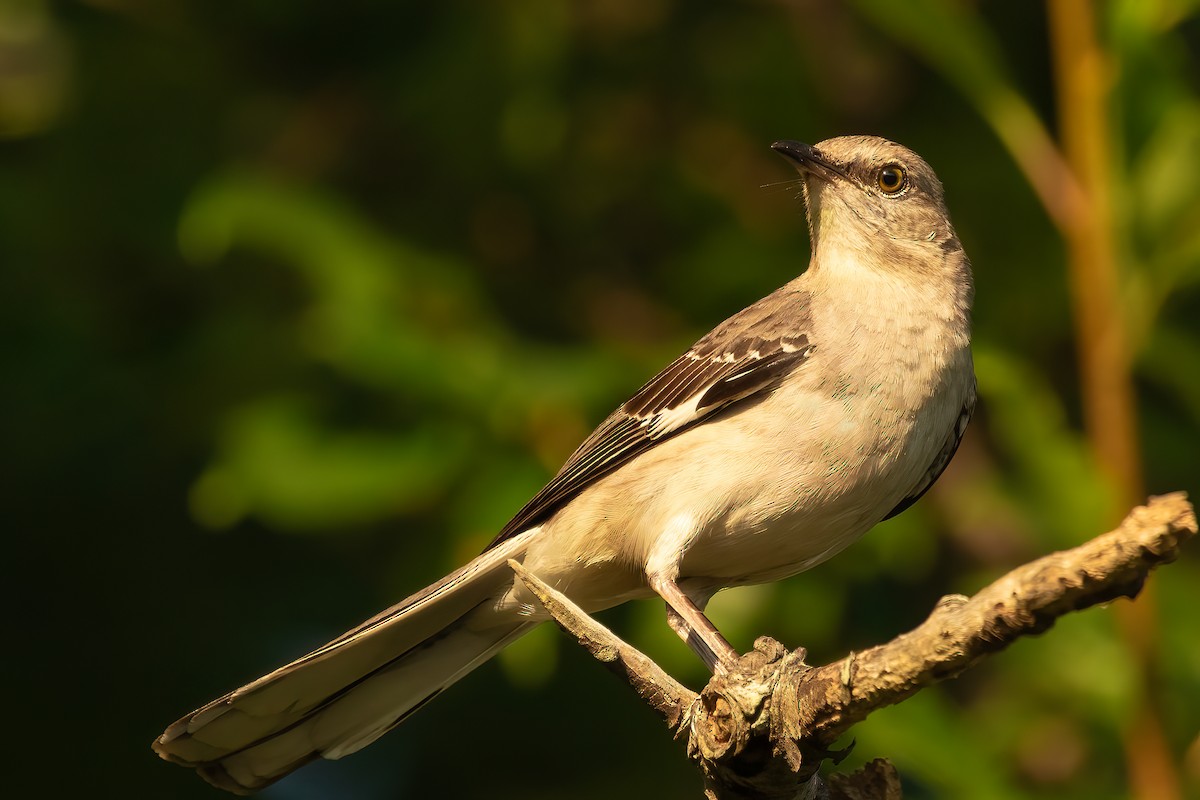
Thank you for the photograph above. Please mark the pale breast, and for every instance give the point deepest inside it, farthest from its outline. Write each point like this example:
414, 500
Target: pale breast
777, 484
841, 445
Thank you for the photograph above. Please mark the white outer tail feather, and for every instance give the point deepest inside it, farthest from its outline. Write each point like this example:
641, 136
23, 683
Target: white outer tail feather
346, 694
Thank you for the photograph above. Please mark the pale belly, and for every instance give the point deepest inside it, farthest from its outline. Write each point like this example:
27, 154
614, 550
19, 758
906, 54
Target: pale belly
744, 502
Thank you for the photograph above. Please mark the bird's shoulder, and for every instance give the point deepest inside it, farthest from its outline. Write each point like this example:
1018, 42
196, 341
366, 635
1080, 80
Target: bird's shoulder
762, 338
746, 355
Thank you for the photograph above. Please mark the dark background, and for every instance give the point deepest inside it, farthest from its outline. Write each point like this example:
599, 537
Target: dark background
302, 300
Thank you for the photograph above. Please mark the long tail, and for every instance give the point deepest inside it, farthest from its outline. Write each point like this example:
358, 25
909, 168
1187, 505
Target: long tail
346, 694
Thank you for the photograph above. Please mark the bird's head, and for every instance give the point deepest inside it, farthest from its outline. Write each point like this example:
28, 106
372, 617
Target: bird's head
874, 199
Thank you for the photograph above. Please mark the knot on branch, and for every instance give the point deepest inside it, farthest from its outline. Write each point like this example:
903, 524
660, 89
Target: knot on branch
732, 736
731, 708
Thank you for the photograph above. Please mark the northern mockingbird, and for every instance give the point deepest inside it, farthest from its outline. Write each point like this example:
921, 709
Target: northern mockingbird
773, 443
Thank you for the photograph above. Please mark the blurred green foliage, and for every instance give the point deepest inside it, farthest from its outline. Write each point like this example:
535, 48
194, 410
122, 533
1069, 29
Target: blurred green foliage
302, 301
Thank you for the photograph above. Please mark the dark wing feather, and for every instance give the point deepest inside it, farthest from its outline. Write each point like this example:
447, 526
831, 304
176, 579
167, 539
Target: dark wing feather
942, 460
748, 354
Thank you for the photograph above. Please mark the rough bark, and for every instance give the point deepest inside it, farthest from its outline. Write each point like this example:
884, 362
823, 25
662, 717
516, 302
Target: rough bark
763, 730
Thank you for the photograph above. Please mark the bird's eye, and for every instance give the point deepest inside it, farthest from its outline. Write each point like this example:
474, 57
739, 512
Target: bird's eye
893, 179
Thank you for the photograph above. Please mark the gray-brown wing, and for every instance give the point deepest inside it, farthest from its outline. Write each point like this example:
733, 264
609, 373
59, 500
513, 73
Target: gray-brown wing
748, 354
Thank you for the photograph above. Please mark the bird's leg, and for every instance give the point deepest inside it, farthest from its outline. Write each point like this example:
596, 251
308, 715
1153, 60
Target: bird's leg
687, 620
693, 640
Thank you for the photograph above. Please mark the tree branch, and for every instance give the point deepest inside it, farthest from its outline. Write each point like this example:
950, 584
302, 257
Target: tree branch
763, 730
670, 698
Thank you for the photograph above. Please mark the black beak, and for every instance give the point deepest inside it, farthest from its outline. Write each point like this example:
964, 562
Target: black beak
807, 160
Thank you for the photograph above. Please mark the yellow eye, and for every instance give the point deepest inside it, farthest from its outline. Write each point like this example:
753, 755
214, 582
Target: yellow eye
893, 179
